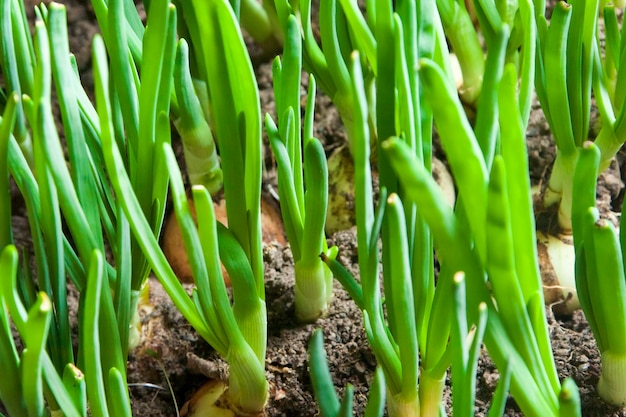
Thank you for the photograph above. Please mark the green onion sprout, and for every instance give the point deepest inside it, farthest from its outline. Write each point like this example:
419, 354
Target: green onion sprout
303, 195
238, 330
600, 277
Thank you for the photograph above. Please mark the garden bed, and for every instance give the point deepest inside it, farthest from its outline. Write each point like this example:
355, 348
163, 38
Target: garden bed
186, 362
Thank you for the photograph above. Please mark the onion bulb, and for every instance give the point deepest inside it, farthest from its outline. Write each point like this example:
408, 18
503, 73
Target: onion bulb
557, 264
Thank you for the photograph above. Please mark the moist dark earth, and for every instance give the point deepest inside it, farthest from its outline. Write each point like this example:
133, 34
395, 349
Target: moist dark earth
187, 362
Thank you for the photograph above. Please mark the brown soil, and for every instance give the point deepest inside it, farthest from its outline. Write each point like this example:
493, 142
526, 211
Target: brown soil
187, 361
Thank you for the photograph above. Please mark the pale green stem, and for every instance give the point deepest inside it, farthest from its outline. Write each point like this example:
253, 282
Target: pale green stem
431, 393
461, 34
403, 405
248, 388
252, 322
328, 278
255, 20
312, 292
560, 188
134, 327
612, 384
203, 165
609, 144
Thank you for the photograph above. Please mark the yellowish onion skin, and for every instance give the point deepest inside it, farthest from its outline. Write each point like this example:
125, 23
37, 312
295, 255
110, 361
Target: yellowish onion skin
442, 176
212, 400
340, 191
205, 402
341, 215
557, 264
174, 248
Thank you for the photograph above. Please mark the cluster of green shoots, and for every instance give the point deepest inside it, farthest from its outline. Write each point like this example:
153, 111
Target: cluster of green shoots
74, 221
96, 214
304, 211
571, 47
112, 196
